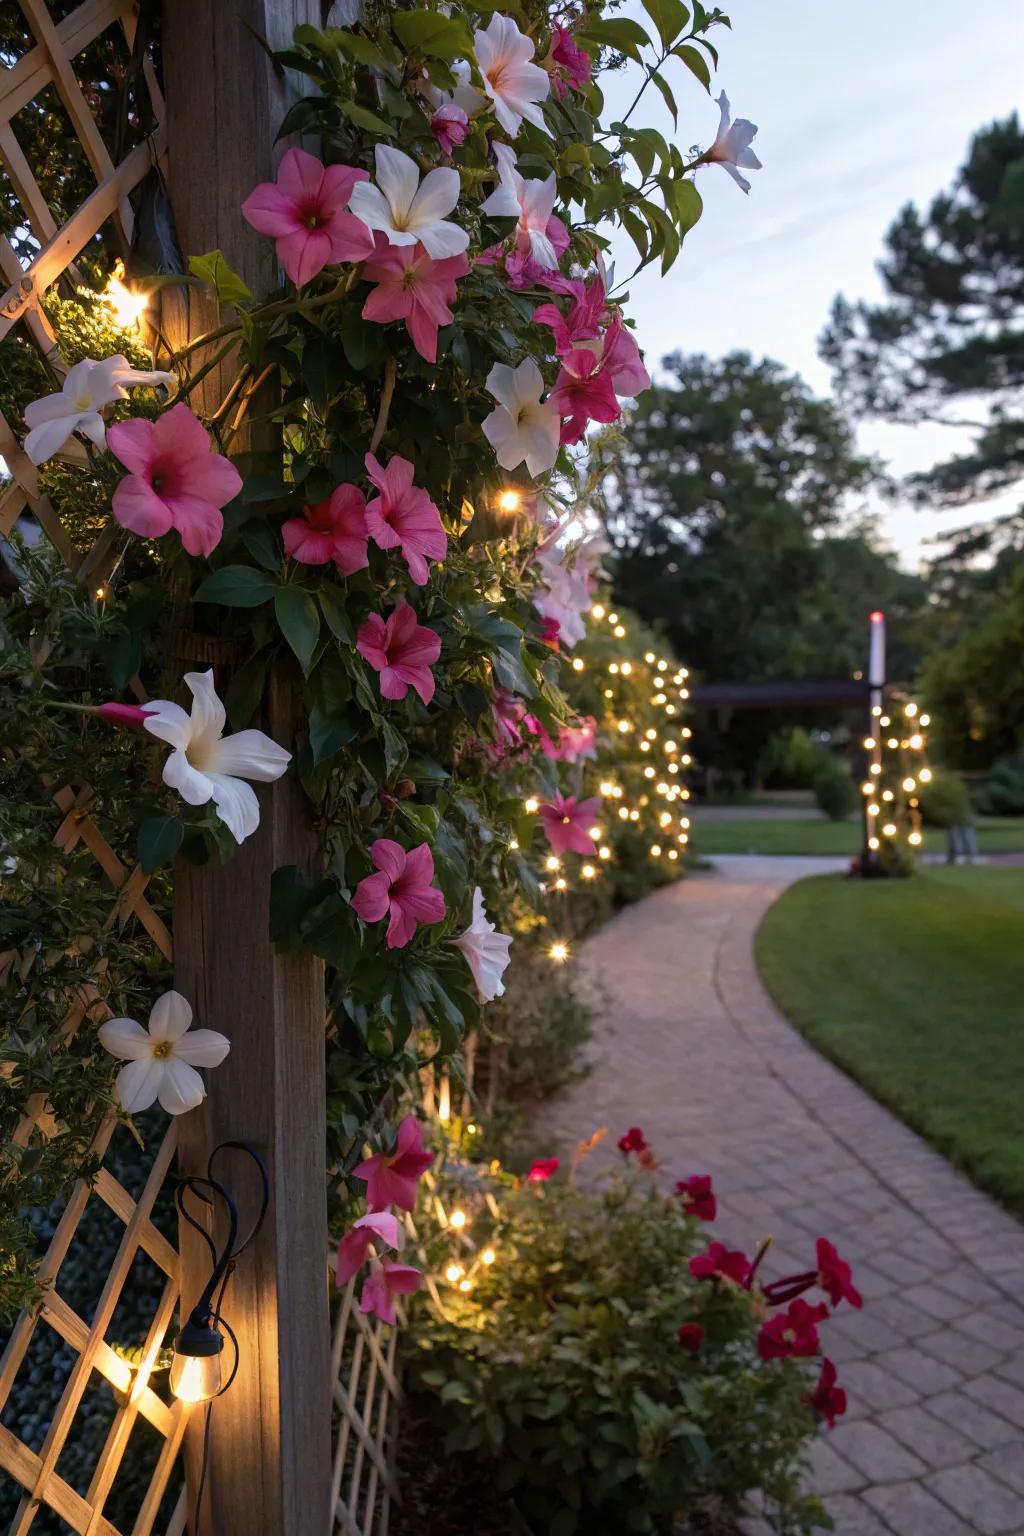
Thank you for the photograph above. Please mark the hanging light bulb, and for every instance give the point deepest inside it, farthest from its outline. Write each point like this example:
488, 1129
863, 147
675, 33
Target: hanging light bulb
128, 306
559, 952
510, 500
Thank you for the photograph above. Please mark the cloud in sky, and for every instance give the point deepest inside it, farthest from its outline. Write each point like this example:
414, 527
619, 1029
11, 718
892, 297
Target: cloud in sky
860, 110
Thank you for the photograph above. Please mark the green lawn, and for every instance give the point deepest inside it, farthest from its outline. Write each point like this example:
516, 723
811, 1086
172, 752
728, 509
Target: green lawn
995, 835
916, 988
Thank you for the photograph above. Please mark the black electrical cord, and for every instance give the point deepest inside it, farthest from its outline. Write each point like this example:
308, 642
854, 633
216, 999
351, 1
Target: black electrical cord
207, 1310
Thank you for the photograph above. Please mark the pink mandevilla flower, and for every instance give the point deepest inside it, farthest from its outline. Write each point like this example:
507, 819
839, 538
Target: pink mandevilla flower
583, 319
828, 1399
175, 479
404, 517
401, 888
331, 530
402, 651
542, 1169
375, 1227
632, 1140
392, 1178
835, 1275
413, 287
583, 393
384, 1282
720, 1261
572, 63
304, 212
566, 820
449, 125
792, 1333
697, 1196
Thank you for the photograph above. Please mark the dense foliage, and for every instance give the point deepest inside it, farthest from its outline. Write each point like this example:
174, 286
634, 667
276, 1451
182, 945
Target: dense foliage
945, 344
738, 494
266, 552
593, 1382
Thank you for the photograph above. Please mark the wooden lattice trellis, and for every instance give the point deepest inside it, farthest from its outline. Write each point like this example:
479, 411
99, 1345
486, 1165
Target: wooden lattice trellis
366, 1387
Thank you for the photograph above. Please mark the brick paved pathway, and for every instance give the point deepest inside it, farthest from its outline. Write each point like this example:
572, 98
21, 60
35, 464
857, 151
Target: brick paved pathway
692, 1049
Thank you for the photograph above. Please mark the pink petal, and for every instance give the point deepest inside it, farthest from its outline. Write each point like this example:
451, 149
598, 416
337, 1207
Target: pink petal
393, 685
337, 182
423, 333
132, 442
425, 904
352, 1254
138, 508
410, 1132
200, 524
389, 857
388, 301
300, 175
306, 544
179, 435
211, 477
401, 927
371, 898
371, 641
419, 865
304, 254
270, 212
401, 1278
350, 239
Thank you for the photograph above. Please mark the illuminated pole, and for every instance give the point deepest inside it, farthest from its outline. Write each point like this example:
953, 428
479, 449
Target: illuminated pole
876, 690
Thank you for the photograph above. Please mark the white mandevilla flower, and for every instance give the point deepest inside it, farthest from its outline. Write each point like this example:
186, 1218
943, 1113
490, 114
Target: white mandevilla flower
531, 202
521, 427
406, 210
87, 388
732, 146
569, 578
486, 951
205, 765
465, 94
516, 86
162, 1059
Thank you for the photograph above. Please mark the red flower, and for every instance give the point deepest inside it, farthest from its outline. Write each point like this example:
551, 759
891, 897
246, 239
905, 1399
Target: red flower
690, 1336
633, 1141
550, 633
728, 1263
542, 1169
828, 1399
792, 1333
835, 1276
698, 1197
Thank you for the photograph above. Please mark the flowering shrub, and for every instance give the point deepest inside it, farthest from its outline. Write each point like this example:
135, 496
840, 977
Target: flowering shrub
405, 556
610, 1369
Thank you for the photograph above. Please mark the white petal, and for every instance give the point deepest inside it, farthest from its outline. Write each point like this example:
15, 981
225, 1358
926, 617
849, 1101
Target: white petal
193, 787
169, 722
126, 1039
502, 432
202, 1048
369, 204
437, 196
208, 715
502, 383
539, 431
441, 240
398, 177
94, 428
542, 250
170, 1018
48, 438
138, 1084
723, 121
249, 755
741, 181
181, 1088
502, 203
236, 804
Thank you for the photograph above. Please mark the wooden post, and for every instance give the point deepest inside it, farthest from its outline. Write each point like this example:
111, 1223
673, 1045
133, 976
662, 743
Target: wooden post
269, 1460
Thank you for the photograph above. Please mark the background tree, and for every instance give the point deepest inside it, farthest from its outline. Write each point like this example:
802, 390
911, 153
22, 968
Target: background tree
947, 344
975, 687
731, 524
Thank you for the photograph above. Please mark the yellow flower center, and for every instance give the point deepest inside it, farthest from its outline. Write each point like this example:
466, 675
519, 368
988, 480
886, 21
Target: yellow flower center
163, 1050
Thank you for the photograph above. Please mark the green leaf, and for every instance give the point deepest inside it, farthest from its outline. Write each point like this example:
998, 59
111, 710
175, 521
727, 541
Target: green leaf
213, 270
323, 370
328, 733
430, 33
669, 16
335, 611
396, 750
695, 63
245, 690
299, 621
159, 840
236, 586
261, 542
670, 101
687, 205
291, 893
362, 117
617, 32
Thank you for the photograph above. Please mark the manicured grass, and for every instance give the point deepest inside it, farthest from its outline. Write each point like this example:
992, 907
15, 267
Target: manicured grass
916, 988
995, 835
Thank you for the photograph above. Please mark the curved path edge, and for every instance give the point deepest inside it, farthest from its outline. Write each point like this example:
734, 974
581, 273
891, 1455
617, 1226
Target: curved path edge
690, 1046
